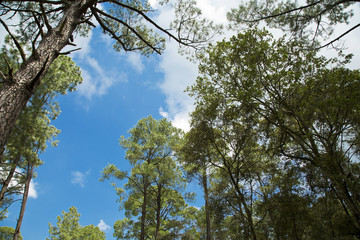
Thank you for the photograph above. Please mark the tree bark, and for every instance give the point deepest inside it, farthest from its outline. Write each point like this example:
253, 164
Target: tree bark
29, 175
207, 210
158, 212
143, 209
18, 88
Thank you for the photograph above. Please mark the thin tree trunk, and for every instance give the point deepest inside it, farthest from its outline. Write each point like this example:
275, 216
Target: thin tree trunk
29, 175
207, 210
6, 183
158, 213
143, 209
19, 87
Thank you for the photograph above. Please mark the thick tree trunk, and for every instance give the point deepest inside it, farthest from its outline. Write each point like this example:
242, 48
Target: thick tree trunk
29, 175
18, 89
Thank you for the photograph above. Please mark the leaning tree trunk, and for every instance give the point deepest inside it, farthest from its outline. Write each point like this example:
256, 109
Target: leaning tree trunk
7, 181
19, 87
29, 174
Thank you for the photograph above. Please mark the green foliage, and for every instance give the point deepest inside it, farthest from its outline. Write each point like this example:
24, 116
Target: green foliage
68, 228
304, 19
153, 195
33, 130
7, 233
282, 125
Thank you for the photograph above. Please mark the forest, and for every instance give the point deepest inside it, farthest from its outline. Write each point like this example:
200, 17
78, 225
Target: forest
274, 135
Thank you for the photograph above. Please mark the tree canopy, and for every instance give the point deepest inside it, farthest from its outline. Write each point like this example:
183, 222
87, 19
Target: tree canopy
68, 228
263, 104
312, 20
50, 26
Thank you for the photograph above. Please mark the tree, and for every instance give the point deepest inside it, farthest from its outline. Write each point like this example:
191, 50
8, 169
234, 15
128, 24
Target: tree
302, 109
310, 19
51, 25
33, 131
155, 184
68, 228
195, 157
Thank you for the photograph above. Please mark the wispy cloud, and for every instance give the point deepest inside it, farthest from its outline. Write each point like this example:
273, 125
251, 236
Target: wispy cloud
135, 61
79, 178
163, 113
179, 72
33, 190
103, 226
97, 82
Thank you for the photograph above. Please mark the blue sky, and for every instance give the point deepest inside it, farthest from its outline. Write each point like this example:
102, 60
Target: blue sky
118, 90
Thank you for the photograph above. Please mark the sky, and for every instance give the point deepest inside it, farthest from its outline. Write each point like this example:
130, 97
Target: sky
118, 90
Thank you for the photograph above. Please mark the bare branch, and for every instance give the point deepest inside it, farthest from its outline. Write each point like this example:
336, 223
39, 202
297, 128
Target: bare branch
106, 29
39, 25
23, 56
129, 27
70, 51
339, 37
141, 13
47, 24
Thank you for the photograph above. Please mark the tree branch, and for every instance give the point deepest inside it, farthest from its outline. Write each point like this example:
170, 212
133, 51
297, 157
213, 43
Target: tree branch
47, 24
70, 51
141, 13
339, 37
23, 56
128, 26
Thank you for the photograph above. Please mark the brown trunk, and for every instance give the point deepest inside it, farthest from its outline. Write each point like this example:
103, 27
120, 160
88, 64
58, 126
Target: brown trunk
158, 213
29, 174
18, 89
207, 210
143, 210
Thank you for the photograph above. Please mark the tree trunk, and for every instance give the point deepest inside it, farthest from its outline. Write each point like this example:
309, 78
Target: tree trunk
158, 213
143, 210
6, 183
18, 88
207, 210
29, 174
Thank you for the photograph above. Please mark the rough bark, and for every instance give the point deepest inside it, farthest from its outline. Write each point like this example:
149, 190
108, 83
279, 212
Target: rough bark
19, 87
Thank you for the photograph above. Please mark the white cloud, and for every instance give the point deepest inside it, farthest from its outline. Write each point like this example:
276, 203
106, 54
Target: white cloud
15, 182
349, 41
33, 190
98, 82
103, 226
179, 73
163, 113
135, 60
79, 178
